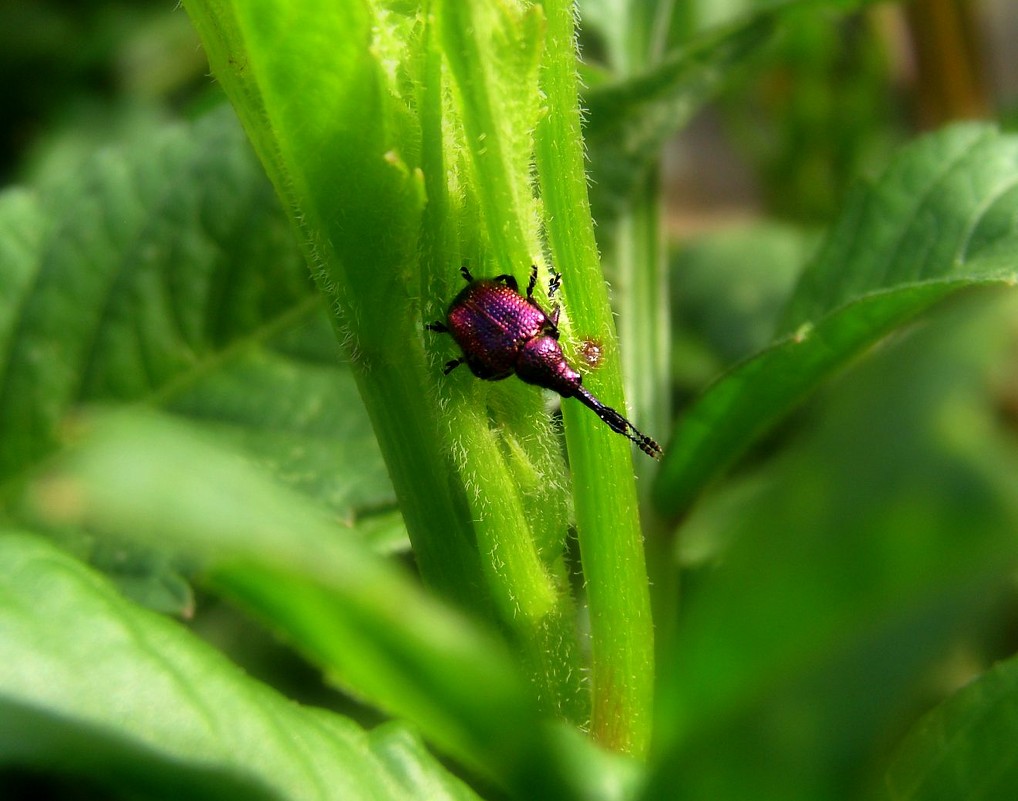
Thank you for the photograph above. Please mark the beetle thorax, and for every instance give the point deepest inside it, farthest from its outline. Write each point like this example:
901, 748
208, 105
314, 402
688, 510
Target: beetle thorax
542, 362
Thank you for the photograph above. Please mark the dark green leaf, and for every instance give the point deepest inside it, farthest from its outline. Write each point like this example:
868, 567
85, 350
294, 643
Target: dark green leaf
164, 273
941, 219
851, 567
964, 747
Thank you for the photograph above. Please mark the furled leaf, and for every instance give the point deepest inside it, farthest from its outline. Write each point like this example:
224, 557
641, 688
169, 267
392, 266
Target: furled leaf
331, 96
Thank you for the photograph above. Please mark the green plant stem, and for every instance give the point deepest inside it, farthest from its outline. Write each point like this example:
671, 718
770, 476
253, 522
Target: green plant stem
637, 253
504, 198
530, 588
636, 257
604, 493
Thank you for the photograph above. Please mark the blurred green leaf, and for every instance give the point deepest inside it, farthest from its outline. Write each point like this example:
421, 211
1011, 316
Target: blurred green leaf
941, 219
698, 15
418, 773
371, 628
851, 566
164, 273
693, 51
817, 110
728, 287
629, 121
964, 747
91, 685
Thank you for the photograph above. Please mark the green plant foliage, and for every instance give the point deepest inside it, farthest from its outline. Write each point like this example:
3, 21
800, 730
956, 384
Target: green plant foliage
215, 379
940, 219
164, 273
92, 685
816, 110
280, 558
451, 119
630, 120
883, 534
956, 750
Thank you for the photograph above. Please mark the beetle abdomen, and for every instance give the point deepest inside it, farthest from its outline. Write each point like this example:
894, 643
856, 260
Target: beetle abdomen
491, 323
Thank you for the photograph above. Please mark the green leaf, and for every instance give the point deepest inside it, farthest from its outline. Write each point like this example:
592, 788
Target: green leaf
371, 628
851, 568
409, 762
941, 219
327, 93
91, 685
163, 273
963, 748
729, 287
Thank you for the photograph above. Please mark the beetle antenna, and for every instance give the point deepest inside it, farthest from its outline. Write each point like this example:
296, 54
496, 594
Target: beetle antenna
619, 424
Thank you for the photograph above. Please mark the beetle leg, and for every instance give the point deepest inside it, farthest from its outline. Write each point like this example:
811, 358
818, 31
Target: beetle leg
532, 282
509, 281
553, 287
465, 272
452, 365
438, 327
554, 284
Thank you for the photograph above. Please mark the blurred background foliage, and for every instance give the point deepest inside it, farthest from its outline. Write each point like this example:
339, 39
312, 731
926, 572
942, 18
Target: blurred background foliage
825, 103
749, 183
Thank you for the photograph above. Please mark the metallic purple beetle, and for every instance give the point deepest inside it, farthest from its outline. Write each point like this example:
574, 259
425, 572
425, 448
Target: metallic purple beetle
501, 332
